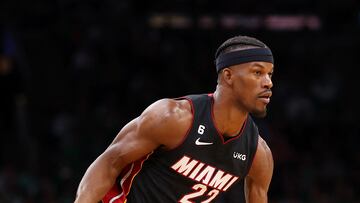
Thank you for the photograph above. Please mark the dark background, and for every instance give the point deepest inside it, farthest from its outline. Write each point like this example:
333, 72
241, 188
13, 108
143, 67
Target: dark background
72, 73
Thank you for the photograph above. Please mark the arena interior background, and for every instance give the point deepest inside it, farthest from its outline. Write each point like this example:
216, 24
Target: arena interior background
72, 73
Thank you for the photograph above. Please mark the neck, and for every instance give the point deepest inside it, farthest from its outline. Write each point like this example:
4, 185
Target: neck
228, 118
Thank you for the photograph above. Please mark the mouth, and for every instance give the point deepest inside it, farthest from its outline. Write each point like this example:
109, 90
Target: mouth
265, 97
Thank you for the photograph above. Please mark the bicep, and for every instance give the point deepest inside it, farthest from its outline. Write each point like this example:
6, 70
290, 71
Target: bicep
258, 180
161, 124
130, 144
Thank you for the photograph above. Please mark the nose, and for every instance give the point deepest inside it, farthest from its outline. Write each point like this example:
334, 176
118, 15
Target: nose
267, 82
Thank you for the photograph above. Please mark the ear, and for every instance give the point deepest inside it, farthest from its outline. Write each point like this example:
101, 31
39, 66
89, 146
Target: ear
227, 75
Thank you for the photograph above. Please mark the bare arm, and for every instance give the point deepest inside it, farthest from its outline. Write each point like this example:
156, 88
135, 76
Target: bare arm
137, 139
258, 180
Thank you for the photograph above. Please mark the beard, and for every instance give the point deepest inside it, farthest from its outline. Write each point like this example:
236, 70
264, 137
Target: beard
259, 113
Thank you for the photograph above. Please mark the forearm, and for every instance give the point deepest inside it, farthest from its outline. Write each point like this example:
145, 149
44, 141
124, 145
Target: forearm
97, 181
257, 197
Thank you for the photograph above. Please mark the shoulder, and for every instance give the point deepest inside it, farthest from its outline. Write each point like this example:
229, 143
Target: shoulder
170, 111
167, 118
264, 148
263, 163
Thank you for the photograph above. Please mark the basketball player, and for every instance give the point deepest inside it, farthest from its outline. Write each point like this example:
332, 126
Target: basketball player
199, 148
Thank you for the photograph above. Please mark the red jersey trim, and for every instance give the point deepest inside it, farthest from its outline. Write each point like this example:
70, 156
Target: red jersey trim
253, 158
191, 125
118, 193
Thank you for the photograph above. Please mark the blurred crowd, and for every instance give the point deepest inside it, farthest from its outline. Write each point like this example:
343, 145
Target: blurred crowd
72, 74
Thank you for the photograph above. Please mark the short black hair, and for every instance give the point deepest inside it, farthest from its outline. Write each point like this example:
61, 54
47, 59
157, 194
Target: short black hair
239, 42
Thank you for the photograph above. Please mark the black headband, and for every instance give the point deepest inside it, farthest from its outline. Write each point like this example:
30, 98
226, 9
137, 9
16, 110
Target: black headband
243, 56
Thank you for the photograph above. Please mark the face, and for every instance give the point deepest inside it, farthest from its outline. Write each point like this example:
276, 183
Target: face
251, 86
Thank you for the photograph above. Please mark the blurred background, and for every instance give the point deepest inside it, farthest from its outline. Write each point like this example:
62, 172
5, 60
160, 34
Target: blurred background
72, 73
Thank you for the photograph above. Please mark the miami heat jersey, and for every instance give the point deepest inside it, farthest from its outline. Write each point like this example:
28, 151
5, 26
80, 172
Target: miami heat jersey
204, 168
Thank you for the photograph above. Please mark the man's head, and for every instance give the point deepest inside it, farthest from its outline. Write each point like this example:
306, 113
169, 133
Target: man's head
245, 67
239, 43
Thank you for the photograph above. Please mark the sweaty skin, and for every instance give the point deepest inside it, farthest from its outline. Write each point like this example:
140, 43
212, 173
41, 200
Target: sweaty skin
137, 139
242, 89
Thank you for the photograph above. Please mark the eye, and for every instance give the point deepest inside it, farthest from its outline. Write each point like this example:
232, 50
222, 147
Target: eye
271, 74
257, 72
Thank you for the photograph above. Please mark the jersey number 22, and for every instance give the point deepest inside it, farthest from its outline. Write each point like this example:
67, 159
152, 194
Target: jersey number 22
200, 190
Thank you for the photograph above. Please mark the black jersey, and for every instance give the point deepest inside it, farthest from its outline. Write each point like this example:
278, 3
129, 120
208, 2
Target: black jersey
204, 168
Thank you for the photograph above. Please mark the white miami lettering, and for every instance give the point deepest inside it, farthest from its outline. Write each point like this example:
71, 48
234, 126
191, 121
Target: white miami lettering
183, 166
204, 173
220, 180
196, 171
